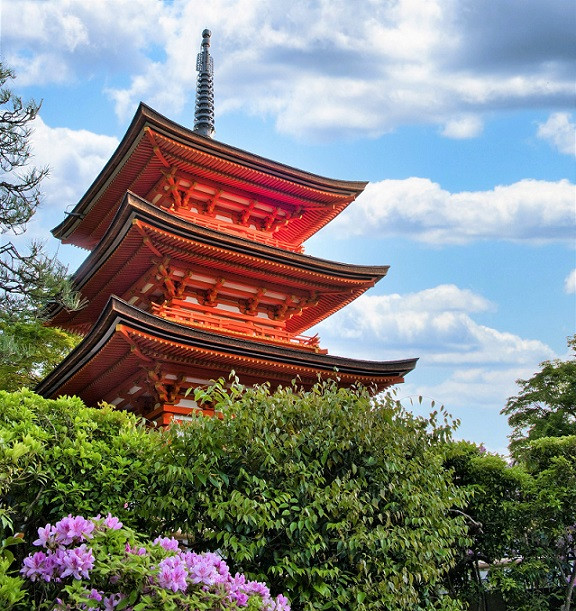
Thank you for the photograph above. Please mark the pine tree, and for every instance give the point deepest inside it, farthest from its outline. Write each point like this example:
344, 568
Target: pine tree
29, 281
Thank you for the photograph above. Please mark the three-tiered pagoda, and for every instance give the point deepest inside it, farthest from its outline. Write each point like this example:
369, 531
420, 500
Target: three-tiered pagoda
197, 269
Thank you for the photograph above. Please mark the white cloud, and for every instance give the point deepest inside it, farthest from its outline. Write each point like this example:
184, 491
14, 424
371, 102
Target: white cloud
320, 68
475, 396
435, 323
74, 158
532, 210
570, 282
469, 368
560, 131
476, 387
467, 126
64, 40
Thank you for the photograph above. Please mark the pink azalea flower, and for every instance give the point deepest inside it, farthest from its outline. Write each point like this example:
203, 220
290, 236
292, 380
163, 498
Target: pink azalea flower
112, 522
45, 536
282, 603
208, 570
76, 562
239, 598
202, 571
172, 574
168, 543
138, 551
70, 530
94, 594
36, 566
112, 601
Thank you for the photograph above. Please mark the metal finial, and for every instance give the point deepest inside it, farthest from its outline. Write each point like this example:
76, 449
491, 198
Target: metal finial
204, 112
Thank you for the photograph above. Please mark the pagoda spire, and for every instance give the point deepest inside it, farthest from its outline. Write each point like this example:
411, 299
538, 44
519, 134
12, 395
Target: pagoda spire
204, 112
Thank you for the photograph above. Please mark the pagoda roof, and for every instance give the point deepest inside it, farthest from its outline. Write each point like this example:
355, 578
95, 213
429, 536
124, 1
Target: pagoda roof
141, 235
153, 142
125, 340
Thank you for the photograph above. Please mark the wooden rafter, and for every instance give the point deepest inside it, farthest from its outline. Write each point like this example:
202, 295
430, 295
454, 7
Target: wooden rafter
253, 303
183, 284
156, 147
187, 195
281, 270
137, 289
245, 215
141, 227
172, 180
162, 267
173, 188
168, 390
122, 330
278, 192
210, 206
269, 220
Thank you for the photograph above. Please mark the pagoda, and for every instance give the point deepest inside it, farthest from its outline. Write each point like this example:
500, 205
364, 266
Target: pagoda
196, 269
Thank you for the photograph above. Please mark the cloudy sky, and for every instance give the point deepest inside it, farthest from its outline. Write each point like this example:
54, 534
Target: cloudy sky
460, 113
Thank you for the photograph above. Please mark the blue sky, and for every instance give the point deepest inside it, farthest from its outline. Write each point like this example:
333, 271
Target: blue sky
460, 113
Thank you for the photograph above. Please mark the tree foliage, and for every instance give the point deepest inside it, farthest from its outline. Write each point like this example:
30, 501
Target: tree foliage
19, 193
545, 405
30, 351
523, 523
31, 279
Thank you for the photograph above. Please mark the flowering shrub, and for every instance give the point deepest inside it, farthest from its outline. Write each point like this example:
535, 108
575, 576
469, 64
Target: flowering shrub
314, 492
99, 564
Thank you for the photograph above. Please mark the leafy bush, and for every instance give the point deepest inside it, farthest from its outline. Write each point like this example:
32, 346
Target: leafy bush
59, 456
337, 500
340, 501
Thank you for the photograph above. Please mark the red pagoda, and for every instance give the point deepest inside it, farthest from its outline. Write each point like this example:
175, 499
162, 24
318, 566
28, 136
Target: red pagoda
197, 269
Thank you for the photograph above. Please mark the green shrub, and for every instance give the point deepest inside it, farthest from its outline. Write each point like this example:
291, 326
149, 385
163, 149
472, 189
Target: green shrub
339, 501
59, 457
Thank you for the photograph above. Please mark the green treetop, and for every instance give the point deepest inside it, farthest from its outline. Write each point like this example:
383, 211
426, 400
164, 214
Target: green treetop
545, 405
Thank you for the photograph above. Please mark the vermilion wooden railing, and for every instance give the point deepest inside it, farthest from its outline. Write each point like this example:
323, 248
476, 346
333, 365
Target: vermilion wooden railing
234, 323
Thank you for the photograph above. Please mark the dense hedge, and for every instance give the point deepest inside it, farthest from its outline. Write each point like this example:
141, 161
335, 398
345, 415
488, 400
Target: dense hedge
339, 502
60, 457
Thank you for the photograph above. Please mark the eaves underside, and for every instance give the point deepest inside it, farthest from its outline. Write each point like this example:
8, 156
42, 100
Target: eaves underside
135, 208
146, 118
118, 312
121, 259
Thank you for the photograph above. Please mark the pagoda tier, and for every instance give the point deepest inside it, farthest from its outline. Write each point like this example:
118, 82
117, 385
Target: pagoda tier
207, 279
145, 364
208, 183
